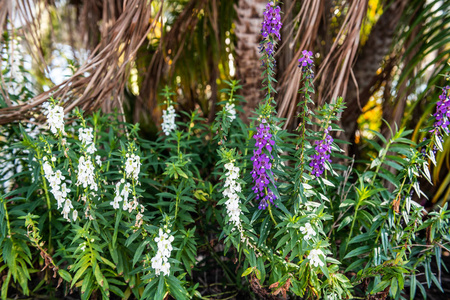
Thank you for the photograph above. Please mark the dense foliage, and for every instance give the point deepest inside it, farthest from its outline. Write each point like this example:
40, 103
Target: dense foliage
91, 208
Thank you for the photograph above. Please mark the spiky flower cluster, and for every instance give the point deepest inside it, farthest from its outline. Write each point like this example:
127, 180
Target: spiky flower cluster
323, 148
85, 174
232, 188
133, 166
306, 63
314, 257
121, 195
59, 190
442, 113
231, 111
168, 124
262, 165
55, 117
86, 137
272, 21
160, 262
308, 231
15, 57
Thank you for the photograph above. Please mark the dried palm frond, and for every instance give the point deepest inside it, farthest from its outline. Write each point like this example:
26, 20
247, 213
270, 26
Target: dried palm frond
335, 69
306, 34
102, 77
168, 52
5, 9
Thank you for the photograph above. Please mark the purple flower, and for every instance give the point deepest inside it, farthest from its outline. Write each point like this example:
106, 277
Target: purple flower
305, 60
269, 48
262, 165
323, 148
306, 63
442, 113
272, 21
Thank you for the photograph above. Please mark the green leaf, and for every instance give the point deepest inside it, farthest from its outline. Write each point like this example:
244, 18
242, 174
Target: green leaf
412, 286
362, 238
345, 222
175, 288
138, 253
258, 274
161, 290
100, 278
65, 275
380, 286
358, 251
247, 272
394, 287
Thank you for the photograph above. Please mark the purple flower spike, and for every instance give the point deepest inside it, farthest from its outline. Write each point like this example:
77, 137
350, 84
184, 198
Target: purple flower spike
323, 148
272, 21
442, 113
306, 60
306, 63
262, 164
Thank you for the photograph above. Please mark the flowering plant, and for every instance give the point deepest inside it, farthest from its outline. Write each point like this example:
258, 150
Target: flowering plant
103, 212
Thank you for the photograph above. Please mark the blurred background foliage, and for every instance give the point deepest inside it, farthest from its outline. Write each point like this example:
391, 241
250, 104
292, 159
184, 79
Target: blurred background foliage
384, 57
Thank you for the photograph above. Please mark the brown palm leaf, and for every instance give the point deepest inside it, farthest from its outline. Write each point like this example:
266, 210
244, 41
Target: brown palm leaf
103, 76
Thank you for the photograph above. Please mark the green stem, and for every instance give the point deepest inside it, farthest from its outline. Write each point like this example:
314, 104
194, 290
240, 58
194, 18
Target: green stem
176, 206
49, 209
7, 216
353, 225
302, 153
271, 215
381, 162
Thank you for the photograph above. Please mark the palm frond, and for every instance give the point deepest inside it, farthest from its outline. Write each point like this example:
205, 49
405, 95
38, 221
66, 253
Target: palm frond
104, 74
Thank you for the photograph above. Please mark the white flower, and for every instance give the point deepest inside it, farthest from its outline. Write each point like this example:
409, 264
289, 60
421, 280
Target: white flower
48, 171
91, 149
230, 109
64, 190
85, 175
126, 205
232, 188
66, 209
126, 191
55, 180
168, 125
98, 160
314, 257
115, 203
15, 57
332, 296
308, 231
83, 247
160, 262
165, 268
133, 166
117, 198
75, 215
55, 117
59, 190
85, 135
59, 197
122, 195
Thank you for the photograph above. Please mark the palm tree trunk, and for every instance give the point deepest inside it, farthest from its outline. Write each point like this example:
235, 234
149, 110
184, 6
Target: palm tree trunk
248, 32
